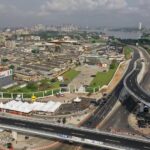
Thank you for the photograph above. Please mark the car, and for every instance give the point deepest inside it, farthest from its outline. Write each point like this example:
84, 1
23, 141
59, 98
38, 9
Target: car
59, 94
63, 85
104, 94
93, 76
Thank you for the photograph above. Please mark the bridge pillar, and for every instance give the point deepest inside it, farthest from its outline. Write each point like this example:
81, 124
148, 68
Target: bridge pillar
2, 96
141, 109
15, 135
123, 95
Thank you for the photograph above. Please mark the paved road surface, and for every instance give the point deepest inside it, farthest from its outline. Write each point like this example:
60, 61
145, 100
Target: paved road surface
132, 84
146, 80
71, 132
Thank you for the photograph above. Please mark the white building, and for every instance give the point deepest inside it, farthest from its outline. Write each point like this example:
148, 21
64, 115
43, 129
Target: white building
140, 25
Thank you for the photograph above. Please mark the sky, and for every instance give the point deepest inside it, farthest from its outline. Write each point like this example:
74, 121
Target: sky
110, 13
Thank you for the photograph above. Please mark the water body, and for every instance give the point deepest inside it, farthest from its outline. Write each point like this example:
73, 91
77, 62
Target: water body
120, 34
124, 34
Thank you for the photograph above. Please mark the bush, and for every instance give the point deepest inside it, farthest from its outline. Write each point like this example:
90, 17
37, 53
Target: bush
113, 64
32, 86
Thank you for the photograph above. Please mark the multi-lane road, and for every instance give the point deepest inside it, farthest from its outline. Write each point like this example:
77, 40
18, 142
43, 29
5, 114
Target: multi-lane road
134, 88
101, 112
101, 137
92, 122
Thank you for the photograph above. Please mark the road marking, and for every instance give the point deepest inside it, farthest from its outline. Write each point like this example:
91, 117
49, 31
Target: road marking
48, 128
19, 124
77, 134
113, 141
146, 147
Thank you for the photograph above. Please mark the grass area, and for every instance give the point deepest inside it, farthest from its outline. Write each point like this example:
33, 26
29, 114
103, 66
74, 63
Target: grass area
103, 78
100, 40
45, 84
70, 75
128, 52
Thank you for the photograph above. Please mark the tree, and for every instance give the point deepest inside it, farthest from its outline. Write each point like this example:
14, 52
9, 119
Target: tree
93, 41
64, 120
35, 51
12, 67
4, 60
32, 86
113, 64
58, 121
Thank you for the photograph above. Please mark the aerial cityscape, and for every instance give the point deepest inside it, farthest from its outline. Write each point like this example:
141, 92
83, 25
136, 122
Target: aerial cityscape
75, 75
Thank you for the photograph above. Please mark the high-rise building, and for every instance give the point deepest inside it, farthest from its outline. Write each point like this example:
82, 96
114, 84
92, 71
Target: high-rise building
140, 25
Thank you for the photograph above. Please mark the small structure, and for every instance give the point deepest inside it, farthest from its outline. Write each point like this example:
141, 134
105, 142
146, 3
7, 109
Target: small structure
60, 78
81, 89
25, 108
77, 100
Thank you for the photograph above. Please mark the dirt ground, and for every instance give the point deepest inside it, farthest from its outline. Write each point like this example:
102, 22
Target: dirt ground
84, 78
133, 123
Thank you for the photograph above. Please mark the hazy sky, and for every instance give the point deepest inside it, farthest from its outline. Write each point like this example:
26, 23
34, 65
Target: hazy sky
81, 12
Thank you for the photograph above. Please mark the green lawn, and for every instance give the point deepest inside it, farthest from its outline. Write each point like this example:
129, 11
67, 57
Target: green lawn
103, 78
45, 84
128, 52
70, 75
100, 40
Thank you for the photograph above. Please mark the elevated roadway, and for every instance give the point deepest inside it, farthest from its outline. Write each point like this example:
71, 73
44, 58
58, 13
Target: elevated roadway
101, 112
133, 87
77, 135
83, 135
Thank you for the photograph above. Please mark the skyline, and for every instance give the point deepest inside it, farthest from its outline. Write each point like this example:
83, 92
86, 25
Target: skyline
114, 13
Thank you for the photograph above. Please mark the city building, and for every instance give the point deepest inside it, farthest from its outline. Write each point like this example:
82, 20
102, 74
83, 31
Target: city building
140, 25
10, 44
6, 77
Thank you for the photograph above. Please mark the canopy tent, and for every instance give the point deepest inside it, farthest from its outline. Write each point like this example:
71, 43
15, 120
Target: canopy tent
77, 100
26, 107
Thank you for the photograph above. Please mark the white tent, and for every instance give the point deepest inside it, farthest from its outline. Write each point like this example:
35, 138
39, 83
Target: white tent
55, 107
27, 107
77, 100
60, 78
1, 105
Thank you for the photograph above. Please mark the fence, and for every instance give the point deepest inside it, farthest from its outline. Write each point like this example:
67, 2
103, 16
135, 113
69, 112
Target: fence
47, 93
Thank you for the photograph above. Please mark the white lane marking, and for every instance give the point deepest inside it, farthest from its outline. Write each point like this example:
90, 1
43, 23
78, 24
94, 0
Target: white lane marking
20, 124
113, 141
146, 147
48, 128
77, 134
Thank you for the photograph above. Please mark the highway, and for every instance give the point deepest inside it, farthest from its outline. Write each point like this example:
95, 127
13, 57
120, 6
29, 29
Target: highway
107, 138
146, 80
134, 88
101, 112
92, 122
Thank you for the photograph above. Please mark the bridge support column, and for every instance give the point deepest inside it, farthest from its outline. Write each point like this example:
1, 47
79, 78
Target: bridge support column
12, 95
141, 109
2, 96
123, 95
15, 135
52, 93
